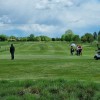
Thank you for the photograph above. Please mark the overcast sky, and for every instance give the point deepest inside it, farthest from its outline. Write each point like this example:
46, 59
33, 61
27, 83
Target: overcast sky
49, 17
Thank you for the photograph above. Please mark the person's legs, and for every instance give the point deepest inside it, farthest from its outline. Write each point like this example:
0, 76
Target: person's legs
72, 53
12, 56
80, 52
77, 52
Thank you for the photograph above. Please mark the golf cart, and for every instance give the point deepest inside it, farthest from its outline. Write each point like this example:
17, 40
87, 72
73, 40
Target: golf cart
97, 55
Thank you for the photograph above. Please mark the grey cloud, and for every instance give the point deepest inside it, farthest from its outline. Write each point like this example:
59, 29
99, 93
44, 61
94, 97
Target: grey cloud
64, 14
5, 19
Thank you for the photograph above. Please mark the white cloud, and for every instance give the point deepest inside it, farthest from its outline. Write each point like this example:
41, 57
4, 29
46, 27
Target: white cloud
49, 16
39, 29
5, 19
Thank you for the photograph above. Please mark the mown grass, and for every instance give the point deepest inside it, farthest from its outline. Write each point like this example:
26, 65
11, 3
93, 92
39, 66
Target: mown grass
52, 63
50, 67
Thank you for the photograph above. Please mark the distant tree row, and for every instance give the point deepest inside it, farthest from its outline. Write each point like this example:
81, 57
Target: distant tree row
67, 36
87, 37
31, 37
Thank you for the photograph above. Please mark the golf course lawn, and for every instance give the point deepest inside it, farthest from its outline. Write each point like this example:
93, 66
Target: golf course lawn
48, 61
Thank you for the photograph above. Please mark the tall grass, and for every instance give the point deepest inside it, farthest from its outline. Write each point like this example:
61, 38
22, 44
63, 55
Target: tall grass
49, 90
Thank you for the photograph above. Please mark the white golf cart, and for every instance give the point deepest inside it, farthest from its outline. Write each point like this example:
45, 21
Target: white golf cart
97, 55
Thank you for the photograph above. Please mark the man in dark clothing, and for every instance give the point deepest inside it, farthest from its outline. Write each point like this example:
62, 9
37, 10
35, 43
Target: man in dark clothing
71, 50
12, 50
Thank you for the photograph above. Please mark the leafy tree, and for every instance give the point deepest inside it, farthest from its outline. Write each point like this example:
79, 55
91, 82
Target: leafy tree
38, 38
98, 38
58, 39
42, 38
3, 37
53, 39
63, 37
89, 37
23, 39
84, 39
45, 38
98, 33
95, 36
68, 36
31, 37
76, 38
12, 38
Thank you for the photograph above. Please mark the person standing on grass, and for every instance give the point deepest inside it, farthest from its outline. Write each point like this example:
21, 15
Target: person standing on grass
71, 50
77, 50
12, 50
80, 50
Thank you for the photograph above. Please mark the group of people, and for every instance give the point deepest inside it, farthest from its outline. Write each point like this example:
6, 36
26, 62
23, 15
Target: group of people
77, 49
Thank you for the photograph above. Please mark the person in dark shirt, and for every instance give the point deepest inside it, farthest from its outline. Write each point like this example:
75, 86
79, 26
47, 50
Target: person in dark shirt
12, 50
80, 50
71, 50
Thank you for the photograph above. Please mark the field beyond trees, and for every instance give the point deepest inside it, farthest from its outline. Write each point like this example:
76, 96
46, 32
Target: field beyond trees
45, 63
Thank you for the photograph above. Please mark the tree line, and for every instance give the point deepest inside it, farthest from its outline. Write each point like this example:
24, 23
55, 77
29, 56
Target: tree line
67, 36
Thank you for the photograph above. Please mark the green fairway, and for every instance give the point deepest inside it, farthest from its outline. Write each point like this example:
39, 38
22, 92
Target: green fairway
47, 71
48, 60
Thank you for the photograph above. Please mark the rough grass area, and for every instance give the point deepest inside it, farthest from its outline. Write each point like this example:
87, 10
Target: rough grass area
49, 90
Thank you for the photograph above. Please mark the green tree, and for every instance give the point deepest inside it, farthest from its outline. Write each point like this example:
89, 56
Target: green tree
95, 36
53, 39
58, 39
31, 37
45, 38
63, 37
84, 39
68, 36
98, 38
76, 38
98, 33
12, 38
3, 37
23, 39
89, 37
38, 38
